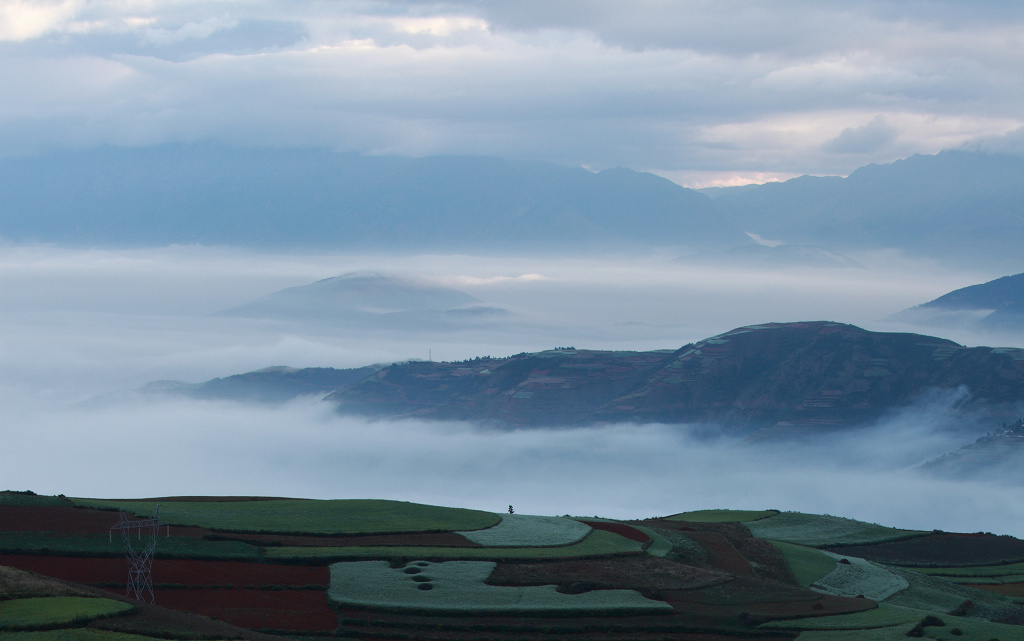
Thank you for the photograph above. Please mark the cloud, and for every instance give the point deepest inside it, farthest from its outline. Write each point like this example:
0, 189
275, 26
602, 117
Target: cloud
715, 87
81, 323
871, 137
174, 447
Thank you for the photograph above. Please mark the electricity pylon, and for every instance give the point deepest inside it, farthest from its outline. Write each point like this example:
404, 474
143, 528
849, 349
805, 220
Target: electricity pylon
140, 563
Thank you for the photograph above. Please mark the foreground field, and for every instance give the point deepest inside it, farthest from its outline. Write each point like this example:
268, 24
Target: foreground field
380, 570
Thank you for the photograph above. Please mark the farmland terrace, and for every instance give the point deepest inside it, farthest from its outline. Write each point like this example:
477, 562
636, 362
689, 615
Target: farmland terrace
255, 569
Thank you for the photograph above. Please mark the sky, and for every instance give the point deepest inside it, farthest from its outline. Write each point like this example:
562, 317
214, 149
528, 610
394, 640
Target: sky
705, 92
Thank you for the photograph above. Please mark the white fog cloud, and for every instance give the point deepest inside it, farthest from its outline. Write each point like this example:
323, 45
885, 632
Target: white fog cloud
76, 324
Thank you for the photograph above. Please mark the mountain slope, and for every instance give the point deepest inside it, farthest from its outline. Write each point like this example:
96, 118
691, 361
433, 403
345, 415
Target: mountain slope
782, 377
997, 304
312, 198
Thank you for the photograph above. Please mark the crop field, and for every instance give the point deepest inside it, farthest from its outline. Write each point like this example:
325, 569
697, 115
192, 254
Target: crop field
891, 633
883, 616
104, 545
807, 564
942, 549
39, 612
72, 634
723, 516
307, 516
987, 571
597, 543
821, 530
859, 577
458, 586
522, 530
291, 610
659, 546
379, 570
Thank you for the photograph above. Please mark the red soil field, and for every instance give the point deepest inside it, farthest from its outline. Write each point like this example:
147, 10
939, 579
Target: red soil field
1007, 589
55, 519
295, 610
431, 539
941, 549
174, 571
621, 529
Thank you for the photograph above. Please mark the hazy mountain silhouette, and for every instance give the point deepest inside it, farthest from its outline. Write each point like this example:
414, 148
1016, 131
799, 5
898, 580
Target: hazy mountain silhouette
956, 205
997, 304
312, 198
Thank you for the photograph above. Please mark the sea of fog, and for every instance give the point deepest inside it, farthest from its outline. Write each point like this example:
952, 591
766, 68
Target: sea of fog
79, 324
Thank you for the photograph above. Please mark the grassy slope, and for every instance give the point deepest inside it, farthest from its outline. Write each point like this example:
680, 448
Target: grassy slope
822, 530
808, 565
307, 516
723, 516
40, 612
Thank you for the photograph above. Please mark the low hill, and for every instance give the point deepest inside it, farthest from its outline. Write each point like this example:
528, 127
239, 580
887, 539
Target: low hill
778, 377
297, 568
370, 300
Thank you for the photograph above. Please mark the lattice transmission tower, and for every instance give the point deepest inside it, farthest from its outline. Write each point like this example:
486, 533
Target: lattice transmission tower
140, 562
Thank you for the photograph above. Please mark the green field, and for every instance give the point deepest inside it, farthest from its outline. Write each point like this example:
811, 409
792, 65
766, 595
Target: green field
597, 543
458, 586
892, 633
984, 571
307, 516
39, 612
822, 530
723, 516
104, 545
807, 564
660, 546
523, 530
30, 499
883, 616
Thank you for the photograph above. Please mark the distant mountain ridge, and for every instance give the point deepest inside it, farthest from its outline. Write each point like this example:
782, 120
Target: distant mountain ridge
777, 378
961, 205
371, 300
997, 304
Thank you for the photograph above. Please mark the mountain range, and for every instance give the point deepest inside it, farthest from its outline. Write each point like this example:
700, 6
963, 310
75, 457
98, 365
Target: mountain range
956, 205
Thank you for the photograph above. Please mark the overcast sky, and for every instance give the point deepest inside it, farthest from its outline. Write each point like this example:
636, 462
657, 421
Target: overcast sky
705, 92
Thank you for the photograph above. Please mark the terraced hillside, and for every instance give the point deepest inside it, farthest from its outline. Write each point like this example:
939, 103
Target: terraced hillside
783, 378
370, 569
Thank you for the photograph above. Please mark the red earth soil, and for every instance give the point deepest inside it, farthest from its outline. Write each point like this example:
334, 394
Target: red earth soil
55, 519
941, 550
621, 529
1007, 589
171, 571
297, 610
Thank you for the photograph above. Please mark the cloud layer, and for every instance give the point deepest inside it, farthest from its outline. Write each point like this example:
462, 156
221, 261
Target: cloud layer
699, 91
77, 324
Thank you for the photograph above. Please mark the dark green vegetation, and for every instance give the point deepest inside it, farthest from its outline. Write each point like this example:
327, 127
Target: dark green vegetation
306, 516
713, 575
784, 379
